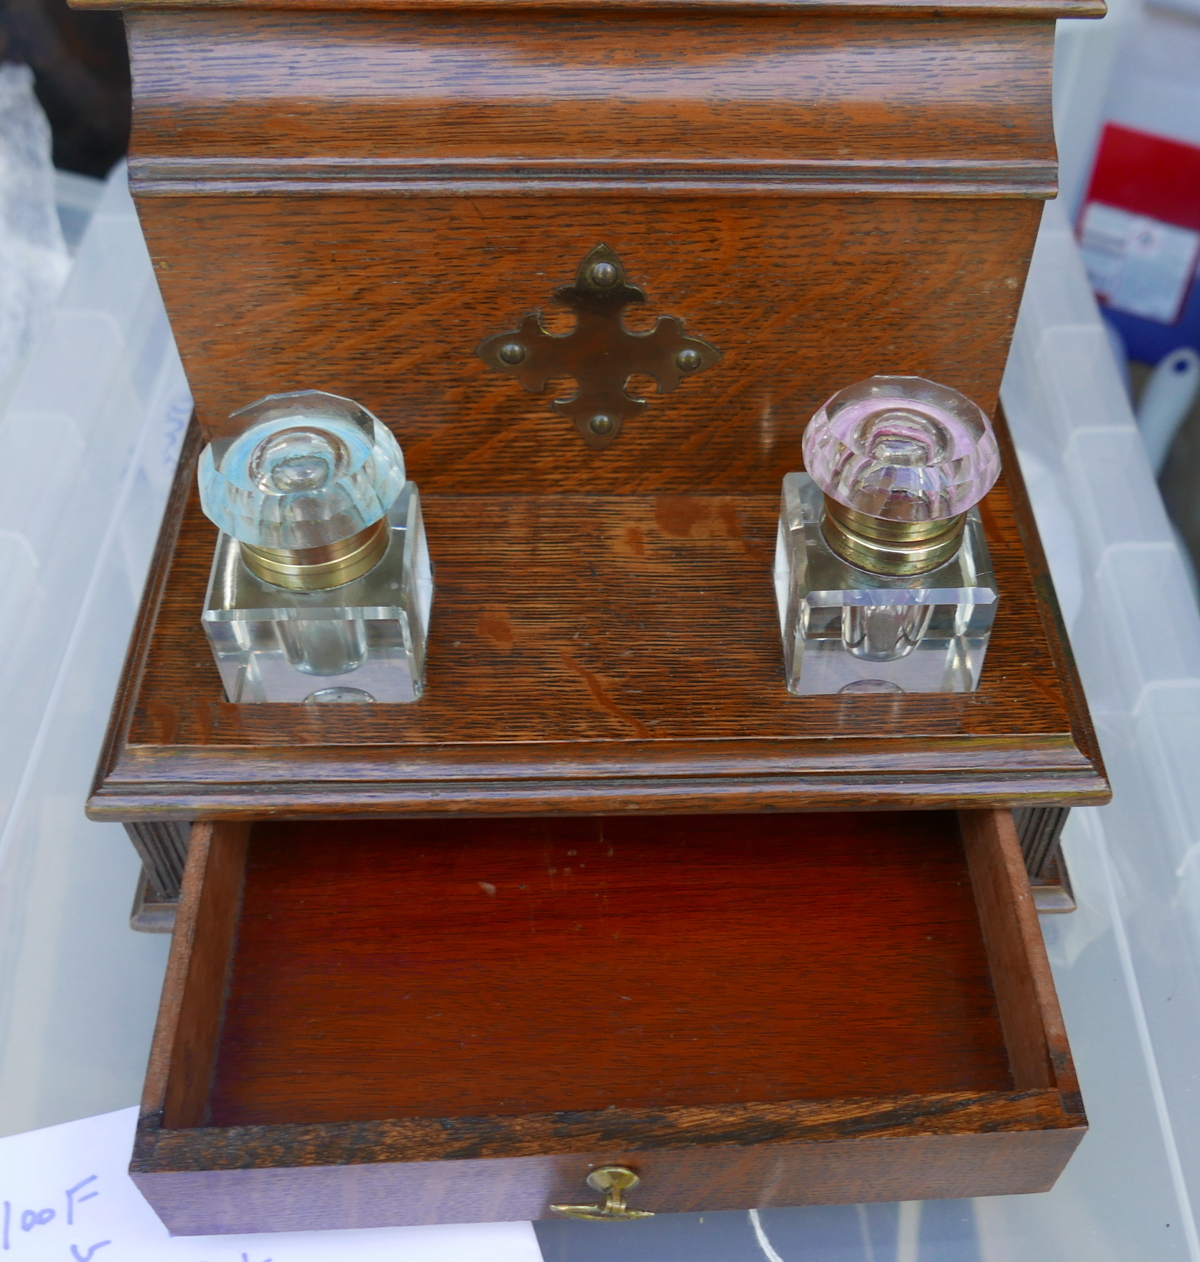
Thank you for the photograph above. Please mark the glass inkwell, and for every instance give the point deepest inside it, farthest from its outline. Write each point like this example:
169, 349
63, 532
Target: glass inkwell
321, 585
882, 573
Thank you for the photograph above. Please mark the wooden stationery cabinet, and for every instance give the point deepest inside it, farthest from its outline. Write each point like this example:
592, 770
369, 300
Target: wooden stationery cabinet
607, 894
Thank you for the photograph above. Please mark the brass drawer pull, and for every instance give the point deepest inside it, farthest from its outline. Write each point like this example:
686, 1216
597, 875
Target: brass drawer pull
615, 1181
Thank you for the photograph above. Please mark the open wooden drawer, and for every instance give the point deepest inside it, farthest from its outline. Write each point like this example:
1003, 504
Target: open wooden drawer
391, 1022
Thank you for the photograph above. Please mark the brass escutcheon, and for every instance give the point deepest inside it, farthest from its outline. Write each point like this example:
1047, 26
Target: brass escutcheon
615, 1181
599, 353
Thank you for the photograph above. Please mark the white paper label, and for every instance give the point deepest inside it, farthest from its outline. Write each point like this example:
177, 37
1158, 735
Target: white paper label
1138, 265
66, 1196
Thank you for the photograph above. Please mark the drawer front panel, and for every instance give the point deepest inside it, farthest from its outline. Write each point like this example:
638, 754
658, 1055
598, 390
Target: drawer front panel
926, 1167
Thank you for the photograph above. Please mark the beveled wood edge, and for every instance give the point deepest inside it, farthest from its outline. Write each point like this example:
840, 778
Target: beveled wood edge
161, 176
900, 790
452, 761
133, 669
1030, 1016
1047, 9
752, 759
1057, 639
1021, 769
490, 1138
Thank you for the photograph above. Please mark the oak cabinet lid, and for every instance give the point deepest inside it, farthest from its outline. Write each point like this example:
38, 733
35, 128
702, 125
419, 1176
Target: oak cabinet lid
503, 101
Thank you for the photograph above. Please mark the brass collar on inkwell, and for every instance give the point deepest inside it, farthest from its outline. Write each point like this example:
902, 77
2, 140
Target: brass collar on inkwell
883, 546
315, 569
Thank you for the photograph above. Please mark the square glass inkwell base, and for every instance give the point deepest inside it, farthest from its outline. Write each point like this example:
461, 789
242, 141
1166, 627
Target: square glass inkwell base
851, 631
362, 641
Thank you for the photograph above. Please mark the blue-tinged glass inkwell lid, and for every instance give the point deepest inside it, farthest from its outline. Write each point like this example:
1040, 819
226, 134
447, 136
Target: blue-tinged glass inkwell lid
304, 482
301, 470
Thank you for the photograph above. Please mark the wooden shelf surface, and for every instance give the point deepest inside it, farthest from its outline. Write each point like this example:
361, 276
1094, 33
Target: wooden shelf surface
598, 653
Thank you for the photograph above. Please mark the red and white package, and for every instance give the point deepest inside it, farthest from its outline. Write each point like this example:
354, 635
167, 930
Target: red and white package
1139, 228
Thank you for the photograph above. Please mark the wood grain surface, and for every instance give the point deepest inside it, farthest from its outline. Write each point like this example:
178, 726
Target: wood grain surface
226, 97
597, 653
665, 961
385, 300
843, 963
169, 1038
199, 997
356, 201
1028, 1006
930, 1165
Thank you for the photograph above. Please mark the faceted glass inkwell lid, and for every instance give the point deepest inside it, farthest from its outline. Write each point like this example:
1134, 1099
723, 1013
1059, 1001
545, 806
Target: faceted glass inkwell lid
902, 449
302, 470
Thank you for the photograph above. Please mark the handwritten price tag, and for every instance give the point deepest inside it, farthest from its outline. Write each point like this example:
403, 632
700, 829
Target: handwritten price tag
65, 1196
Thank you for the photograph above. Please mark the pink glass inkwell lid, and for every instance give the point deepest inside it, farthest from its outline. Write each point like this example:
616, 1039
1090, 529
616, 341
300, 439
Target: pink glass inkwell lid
900, 461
